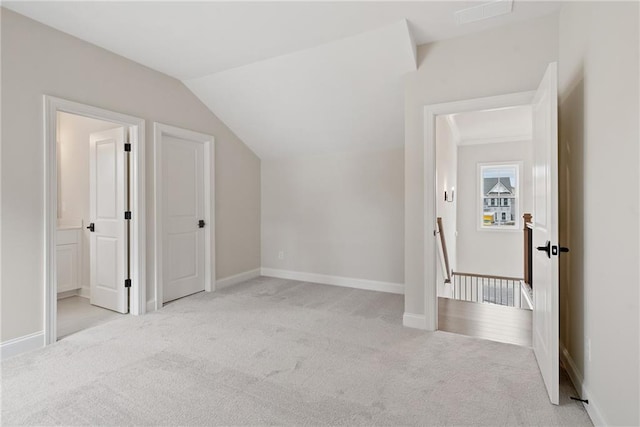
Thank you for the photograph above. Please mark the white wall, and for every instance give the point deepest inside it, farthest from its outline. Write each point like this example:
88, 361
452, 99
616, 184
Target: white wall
73, 173
38, 60
600, 219
493, 62
446, 179
495, 252
337, 214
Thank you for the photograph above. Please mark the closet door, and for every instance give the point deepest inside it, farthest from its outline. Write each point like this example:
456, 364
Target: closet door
183, 209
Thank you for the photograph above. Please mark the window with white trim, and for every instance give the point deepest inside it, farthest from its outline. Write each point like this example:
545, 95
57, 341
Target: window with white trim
499, 196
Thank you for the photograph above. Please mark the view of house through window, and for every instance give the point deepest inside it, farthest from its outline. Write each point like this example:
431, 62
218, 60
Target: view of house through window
499, 207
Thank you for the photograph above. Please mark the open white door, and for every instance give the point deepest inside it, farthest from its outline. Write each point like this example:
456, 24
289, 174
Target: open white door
108, 193
184, 216
546, 318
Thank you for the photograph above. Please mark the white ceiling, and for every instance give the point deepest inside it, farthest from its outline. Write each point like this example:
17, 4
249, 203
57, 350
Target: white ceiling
512, 124
344, 95
287, 77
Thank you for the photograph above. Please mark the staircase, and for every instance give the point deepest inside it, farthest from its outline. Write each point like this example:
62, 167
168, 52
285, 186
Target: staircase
490, 289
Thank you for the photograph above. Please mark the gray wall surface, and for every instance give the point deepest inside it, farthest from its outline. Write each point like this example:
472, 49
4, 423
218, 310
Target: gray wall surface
38, 60
446, 179
339, 214
599, 204
494, 62
494, 252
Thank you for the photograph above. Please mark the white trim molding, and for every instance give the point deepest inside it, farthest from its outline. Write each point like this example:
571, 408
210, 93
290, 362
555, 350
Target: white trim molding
84, 292
237, 278
347, 282
21, 344
495, 140
208, 142
416, 321
429, 180
581, 388
135, 127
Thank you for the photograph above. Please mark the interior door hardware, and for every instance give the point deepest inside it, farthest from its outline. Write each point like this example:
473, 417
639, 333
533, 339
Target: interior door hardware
555, 249
201, 223
91, 227
577, 398
546, 248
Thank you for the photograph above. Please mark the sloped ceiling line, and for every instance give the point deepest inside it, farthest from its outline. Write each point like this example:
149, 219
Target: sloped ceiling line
289, 78
345, 95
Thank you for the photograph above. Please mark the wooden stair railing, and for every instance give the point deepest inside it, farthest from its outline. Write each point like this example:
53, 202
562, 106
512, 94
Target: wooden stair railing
443, 247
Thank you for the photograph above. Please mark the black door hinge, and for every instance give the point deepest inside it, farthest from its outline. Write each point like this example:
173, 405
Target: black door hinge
127, 215
127, 146
127, 283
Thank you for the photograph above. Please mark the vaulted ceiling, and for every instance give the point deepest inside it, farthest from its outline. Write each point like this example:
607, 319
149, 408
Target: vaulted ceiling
289, 78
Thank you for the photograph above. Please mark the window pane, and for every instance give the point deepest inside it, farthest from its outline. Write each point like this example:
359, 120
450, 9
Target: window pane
499, 196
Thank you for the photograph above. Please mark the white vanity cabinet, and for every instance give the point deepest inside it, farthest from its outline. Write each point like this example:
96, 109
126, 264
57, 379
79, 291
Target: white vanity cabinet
68, 268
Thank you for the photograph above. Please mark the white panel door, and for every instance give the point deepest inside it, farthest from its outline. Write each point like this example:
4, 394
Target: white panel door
546, 321
183, 207
108, 243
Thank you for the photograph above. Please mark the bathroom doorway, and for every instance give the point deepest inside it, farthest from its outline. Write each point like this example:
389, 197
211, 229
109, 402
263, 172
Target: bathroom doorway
92, 182
94, 217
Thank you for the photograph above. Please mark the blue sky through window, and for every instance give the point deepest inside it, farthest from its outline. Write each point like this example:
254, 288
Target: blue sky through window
500, 172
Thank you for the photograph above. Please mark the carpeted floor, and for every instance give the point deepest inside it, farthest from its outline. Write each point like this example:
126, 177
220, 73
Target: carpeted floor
273, 351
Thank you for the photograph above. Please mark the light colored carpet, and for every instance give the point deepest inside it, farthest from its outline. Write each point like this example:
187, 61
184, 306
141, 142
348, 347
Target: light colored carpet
76, 313
278, 352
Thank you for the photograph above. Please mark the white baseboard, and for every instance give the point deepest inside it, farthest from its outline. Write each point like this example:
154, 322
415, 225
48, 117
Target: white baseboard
22, 344
572, 369
370, 285
237, 278
68, 294
417, 321
581, 388
84, 292
151, 306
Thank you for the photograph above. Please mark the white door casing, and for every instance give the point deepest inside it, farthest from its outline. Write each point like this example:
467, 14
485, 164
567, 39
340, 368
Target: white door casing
136, 129
429, 320
108, 244
546, 316
184, 262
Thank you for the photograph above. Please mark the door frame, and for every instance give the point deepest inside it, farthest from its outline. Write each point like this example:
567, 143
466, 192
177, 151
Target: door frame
430, 191
208, 141
136, 127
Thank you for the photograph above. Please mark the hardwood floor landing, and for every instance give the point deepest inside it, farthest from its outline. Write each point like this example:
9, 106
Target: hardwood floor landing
488, 321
